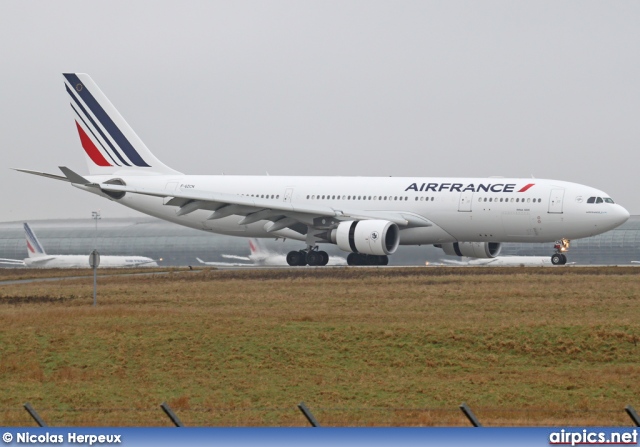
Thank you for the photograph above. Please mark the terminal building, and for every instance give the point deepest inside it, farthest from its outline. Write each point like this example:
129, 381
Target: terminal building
180, 246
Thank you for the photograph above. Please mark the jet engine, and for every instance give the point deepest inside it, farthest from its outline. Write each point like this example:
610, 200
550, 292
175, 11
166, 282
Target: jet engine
371, 237
472, 249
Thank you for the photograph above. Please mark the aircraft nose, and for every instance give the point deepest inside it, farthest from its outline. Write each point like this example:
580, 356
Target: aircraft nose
621, 215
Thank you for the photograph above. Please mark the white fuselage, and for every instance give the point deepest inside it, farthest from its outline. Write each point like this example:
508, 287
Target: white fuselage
505, 261
82, 261
459, 209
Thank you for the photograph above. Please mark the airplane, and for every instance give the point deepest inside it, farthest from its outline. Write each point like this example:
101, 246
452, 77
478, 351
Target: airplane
504, 261
38, 258
368, 217
260, 255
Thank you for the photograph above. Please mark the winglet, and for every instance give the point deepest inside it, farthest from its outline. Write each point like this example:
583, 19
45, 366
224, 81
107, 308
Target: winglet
73, 177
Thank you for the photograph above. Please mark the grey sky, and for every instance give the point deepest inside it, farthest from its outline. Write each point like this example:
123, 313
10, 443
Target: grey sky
402, 88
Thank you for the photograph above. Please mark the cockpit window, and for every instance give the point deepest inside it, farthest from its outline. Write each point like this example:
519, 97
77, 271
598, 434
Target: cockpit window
599, 200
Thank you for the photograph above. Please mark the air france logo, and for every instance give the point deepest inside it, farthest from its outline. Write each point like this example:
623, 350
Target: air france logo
460, 187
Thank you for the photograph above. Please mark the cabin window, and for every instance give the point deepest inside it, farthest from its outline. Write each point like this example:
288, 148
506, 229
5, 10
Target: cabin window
599, 200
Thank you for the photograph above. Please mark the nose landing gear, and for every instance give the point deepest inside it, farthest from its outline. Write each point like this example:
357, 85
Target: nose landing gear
561, 246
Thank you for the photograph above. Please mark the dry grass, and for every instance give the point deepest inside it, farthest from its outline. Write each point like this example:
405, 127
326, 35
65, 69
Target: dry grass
360, 346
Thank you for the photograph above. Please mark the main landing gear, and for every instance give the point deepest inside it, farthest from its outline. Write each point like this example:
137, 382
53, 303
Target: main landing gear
362, 259
561, 246
313, 257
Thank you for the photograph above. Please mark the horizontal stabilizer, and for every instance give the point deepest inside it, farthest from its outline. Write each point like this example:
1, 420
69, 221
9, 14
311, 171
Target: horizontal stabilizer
73, 177
16, 262
42, 174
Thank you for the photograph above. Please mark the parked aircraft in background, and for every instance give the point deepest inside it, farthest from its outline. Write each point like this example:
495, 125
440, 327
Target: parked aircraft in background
366, 216
261, 255
504, 261
38, 258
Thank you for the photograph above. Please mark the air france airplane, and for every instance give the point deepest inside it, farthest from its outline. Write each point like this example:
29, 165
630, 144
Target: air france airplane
369, 217
38, 258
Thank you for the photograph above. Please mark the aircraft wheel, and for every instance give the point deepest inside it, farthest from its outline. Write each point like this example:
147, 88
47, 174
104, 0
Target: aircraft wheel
564, 259
314, 258
371, 260
325, 257
384, 260
294, 258
353, 259
556, 259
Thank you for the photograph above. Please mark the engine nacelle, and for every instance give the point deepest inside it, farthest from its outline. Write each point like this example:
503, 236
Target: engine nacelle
371, 237
472, 249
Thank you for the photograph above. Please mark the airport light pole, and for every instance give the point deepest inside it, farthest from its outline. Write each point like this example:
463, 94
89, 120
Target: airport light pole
95, 215
94, 257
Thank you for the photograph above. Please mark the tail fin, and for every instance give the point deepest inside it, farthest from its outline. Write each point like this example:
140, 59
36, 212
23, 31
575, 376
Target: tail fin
258, 251
110, 144
254, 246
34, 248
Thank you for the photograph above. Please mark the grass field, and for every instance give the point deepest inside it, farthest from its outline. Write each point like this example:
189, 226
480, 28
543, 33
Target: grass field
360, 346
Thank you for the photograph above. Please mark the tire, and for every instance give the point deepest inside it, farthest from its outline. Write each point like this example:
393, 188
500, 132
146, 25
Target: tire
384, 260
325, 257
371, 260
556, 259
564, 259
314, 258
296, 258
353, 259
293, 258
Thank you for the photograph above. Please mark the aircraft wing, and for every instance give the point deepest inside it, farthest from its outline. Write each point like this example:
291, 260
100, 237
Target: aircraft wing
135, 264
241, 258
281, 214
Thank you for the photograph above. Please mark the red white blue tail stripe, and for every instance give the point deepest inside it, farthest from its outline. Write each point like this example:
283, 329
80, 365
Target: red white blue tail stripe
102, 139
33, 245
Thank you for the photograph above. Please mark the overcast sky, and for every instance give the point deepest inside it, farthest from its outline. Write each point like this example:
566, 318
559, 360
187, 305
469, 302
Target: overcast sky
403, 88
